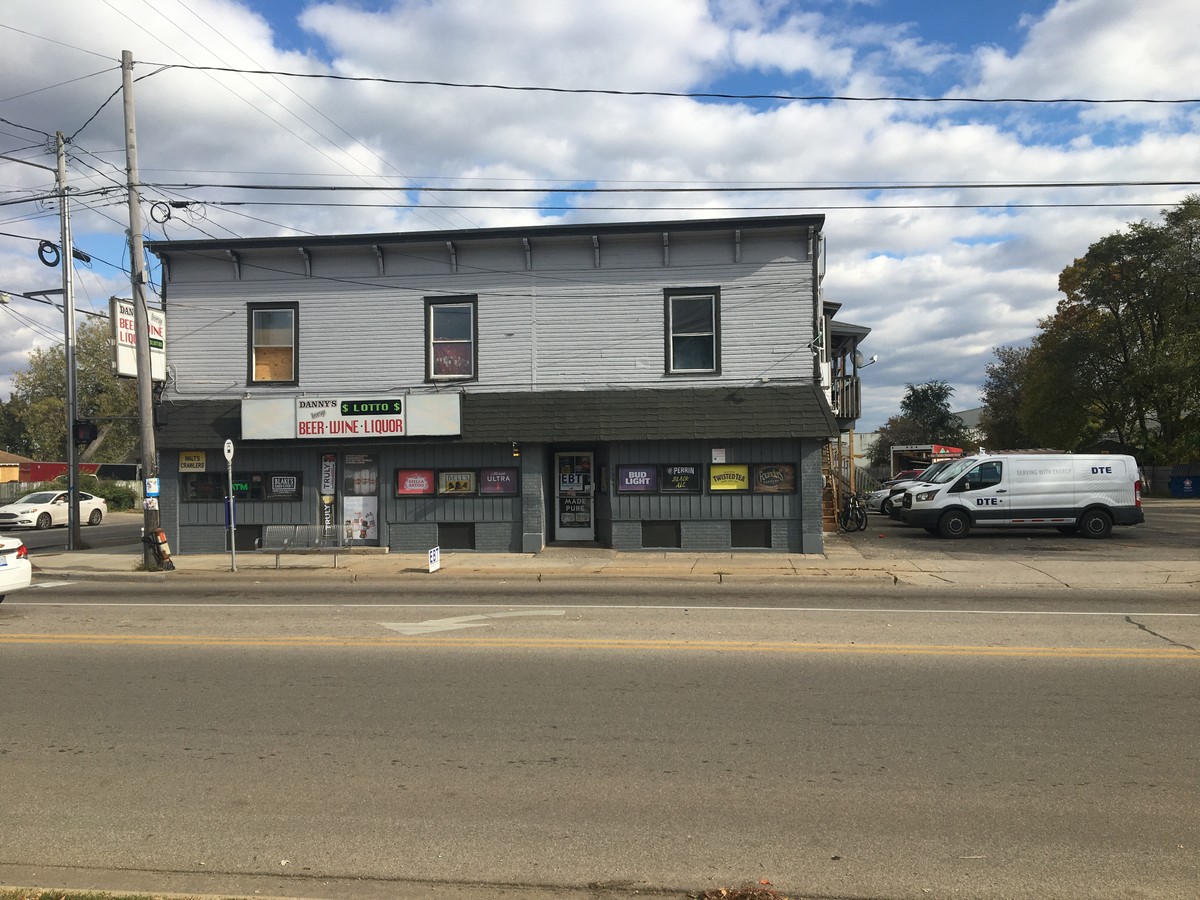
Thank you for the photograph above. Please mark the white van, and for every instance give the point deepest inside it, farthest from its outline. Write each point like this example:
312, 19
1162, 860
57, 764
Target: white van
1071, 492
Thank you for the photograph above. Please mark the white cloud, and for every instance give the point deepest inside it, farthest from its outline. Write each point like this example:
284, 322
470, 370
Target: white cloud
939, 287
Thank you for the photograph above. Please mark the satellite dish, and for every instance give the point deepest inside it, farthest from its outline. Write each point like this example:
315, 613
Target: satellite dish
860, 362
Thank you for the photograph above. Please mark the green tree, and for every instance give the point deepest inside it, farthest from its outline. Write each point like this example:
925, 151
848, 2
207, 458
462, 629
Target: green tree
1000, 420
1129, 327
39, 394
13, 438
925, 418
928, 405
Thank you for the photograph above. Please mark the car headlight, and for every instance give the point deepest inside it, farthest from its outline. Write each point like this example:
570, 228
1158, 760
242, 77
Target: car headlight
925, 496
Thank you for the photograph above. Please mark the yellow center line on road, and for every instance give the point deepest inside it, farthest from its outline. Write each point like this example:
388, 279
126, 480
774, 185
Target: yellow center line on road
484, 643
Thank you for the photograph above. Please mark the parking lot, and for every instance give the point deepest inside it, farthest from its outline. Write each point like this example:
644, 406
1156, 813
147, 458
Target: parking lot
1171, 532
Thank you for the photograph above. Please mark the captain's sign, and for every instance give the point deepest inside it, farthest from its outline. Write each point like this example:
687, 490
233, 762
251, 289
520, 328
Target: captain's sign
318, 417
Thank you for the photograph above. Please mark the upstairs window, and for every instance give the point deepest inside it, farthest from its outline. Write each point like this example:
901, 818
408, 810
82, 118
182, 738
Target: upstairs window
274, 343
450, 324
693, 330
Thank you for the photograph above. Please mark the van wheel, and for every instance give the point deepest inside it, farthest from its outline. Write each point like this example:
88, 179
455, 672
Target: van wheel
1095, 523
954, 524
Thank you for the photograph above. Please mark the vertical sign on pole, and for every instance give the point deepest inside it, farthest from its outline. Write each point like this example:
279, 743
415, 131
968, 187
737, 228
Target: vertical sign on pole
230, 510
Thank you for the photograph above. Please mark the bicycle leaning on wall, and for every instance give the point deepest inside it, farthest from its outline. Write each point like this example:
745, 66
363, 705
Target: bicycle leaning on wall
853, 516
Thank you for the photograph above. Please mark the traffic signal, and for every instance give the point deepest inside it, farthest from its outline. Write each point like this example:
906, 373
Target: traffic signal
85, 432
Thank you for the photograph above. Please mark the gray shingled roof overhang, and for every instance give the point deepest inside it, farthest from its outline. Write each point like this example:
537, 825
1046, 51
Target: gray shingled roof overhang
646, 414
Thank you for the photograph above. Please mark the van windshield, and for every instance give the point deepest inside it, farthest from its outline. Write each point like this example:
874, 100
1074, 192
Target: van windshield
953, 470
930, 474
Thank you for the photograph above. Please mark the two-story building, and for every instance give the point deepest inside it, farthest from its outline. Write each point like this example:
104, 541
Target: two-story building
634, 385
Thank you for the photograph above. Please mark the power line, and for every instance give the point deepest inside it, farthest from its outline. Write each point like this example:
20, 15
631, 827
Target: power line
229, 204
696, 95
724, 188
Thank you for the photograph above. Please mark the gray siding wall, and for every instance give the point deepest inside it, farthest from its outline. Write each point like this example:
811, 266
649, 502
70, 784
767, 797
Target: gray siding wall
406, 523
704, 518
564, 323
519, 523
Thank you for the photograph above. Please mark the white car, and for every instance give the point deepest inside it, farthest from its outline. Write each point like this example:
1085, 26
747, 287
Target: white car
15, 570
888, 498
43, 509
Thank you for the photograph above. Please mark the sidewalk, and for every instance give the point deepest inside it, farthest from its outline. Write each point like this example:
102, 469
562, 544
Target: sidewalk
840, 564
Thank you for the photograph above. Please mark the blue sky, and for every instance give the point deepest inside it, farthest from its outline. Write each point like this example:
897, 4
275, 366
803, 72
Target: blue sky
942, 275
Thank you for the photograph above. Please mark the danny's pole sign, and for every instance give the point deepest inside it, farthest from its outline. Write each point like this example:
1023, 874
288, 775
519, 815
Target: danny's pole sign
121, 318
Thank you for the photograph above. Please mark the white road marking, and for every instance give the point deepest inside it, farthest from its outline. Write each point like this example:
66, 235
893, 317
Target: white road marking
452, 624
627, 606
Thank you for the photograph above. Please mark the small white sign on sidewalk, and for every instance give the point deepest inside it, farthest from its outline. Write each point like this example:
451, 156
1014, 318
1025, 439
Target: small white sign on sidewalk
435, 559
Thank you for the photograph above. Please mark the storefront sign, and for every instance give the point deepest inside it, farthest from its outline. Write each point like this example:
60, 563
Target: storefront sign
729, 477
353, 416
414, 481
124, 332
498, 481
575, 512
328, 474
681, 479
191, 461
371, 417
637, 479
456, 482
283, 486
775, 478
328, 495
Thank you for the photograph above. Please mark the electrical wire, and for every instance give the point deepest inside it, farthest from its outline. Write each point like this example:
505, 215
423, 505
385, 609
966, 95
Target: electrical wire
756, 189
695, 95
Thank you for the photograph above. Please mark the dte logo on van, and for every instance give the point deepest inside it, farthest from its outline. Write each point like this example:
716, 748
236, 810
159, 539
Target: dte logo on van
987, 501
1101, 470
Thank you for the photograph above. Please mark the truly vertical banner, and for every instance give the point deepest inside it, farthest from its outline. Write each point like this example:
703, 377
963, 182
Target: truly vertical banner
329, 495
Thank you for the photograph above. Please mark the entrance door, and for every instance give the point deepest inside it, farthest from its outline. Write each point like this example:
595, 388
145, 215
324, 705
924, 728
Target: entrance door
573, 496
360, 499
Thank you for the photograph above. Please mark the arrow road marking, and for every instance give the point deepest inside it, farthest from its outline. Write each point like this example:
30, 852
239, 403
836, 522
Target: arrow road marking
456, 622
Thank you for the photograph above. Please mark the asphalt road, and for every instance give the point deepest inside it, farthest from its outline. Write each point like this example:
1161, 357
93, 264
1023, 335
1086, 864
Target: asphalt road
121, 528
435, 747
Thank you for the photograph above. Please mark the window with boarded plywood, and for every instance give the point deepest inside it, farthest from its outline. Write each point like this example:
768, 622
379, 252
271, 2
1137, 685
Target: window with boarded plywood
274, 343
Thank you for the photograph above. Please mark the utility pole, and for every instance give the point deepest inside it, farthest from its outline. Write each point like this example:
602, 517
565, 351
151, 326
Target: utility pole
137, 272
68, 268
66, 256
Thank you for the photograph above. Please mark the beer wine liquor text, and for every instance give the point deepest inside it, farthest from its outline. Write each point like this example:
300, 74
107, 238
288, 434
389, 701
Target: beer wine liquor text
349, 418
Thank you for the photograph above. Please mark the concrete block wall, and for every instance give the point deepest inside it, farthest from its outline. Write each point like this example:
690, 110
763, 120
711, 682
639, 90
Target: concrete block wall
704, 534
